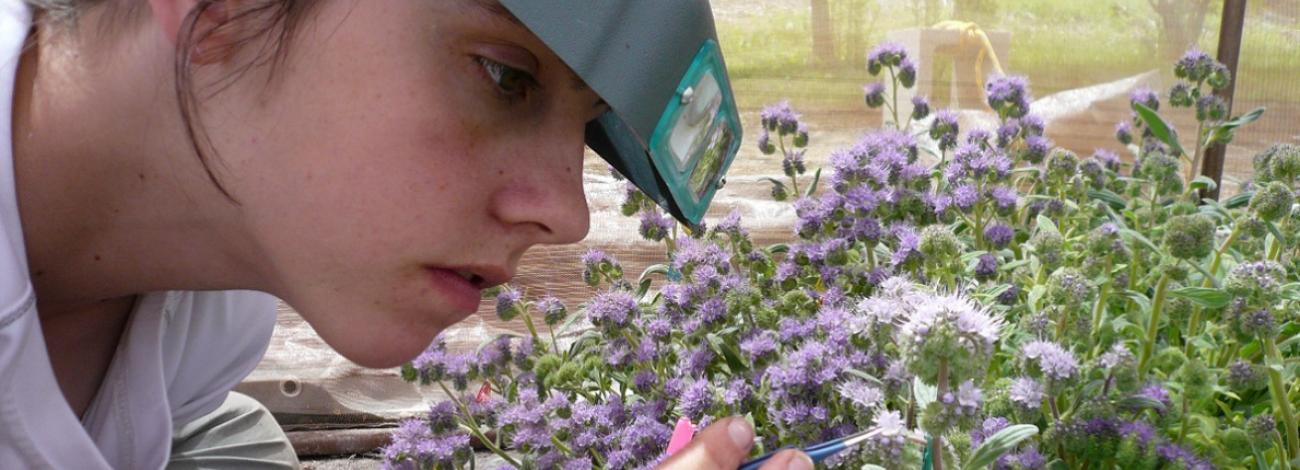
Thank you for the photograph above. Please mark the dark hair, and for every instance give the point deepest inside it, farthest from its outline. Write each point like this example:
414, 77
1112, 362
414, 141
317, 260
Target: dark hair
277, 21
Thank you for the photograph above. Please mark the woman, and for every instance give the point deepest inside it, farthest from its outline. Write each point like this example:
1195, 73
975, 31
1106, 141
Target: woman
375, 164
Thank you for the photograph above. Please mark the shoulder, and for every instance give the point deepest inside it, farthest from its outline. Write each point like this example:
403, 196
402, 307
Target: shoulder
211, 340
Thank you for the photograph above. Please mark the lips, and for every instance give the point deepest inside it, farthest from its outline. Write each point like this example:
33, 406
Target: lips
462, 286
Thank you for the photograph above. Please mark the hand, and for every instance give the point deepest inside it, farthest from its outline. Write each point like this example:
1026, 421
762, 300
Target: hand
724, 445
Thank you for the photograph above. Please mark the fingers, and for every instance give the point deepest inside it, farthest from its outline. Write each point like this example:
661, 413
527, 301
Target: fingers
722, 446
790, 459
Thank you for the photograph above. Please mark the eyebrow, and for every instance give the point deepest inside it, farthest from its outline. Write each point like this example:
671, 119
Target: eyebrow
497, 12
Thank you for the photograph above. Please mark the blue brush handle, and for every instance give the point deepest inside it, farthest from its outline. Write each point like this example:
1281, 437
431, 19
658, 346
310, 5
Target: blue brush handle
817, 453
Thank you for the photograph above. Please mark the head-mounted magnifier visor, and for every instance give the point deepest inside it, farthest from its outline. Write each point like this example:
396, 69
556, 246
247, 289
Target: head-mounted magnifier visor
673, 127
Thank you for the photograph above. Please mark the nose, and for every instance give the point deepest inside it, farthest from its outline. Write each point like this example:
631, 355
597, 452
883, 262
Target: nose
543, 196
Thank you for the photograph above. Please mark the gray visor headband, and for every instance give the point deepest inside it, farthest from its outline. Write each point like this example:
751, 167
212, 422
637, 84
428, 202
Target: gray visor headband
673, 127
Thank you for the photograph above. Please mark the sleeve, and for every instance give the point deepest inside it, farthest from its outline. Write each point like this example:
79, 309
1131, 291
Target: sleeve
211, 341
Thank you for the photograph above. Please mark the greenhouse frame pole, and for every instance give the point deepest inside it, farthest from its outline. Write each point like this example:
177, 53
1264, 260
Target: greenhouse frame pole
1230, 29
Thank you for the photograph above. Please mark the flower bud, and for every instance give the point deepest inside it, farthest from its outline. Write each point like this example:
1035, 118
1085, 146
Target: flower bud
939, 243
1062, 164
1180, 96
907, 73
509, 304
1190, 236
1272, 202
765, 143
1284, 162
1069, 287
1049, 247
1211, 108
553, 310
1245, 377
801, 138
920, 107
1220, 77
875, 94
1124, 132
1261, 427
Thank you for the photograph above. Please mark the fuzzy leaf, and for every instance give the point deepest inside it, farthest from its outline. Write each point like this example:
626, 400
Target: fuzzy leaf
1140, 238
1140, 298
1238, 201
1223, 132
1204, 296
1115, 201
1159, 127
1277, 235
642, 289
1203, 182
1046, 225
924, 393
812, 188
863, 375
999, 444
1141, 403
660, 268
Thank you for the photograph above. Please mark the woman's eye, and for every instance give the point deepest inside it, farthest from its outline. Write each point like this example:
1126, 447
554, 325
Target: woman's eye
512, 83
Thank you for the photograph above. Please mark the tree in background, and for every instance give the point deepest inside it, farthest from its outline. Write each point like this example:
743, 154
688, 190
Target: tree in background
981, 12
823, 33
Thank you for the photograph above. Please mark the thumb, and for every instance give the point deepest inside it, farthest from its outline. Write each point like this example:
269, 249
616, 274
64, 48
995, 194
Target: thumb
722, 445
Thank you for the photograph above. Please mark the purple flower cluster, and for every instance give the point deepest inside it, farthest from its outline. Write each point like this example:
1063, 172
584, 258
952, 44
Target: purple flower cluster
1057, 364
1009, 95
890, 54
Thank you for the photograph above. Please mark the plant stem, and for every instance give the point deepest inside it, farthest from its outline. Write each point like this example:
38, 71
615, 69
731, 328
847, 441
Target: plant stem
897, 125
1195, 324
1153, 326
475, 430
936, 449
794, 182
1196, 160
1182, 430
1280, 401
1099, 309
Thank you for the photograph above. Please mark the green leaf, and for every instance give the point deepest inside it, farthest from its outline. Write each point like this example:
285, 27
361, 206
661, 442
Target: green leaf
1004, 441
1159, 128
1247, 118
1140, 298
1139, 237
660, 268
1046, 225
1238, 201
1273, 230
1262, 463
925, 393
812, 188
643, 288
863, 375
1204, 296
1115, 201
1203, 182
1057, 464
1140, 403
778, 248
872, 467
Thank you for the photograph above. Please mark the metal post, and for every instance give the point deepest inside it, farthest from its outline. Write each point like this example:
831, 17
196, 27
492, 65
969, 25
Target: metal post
1234, 20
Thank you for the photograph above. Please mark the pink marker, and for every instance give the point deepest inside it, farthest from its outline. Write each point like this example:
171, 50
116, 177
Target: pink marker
682, 435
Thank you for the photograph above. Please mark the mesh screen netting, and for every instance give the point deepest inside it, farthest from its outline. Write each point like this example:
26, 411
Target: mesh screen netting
1083, 59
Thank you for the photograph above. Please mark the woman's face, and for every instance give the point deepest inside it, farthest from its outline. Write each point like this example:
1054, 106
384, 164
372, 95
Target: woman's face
405, 146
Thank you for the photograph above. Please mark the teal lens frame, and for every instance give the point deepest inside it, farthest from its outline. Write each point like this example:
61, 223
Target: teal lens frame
698, 134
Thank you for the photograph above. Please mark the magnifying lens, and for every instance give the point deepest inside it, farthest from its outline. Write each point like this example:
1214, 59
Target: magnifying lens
673, 128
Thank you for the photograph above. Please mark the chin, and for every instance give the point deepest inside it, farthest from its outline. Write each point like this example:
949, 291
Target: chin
377, 346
